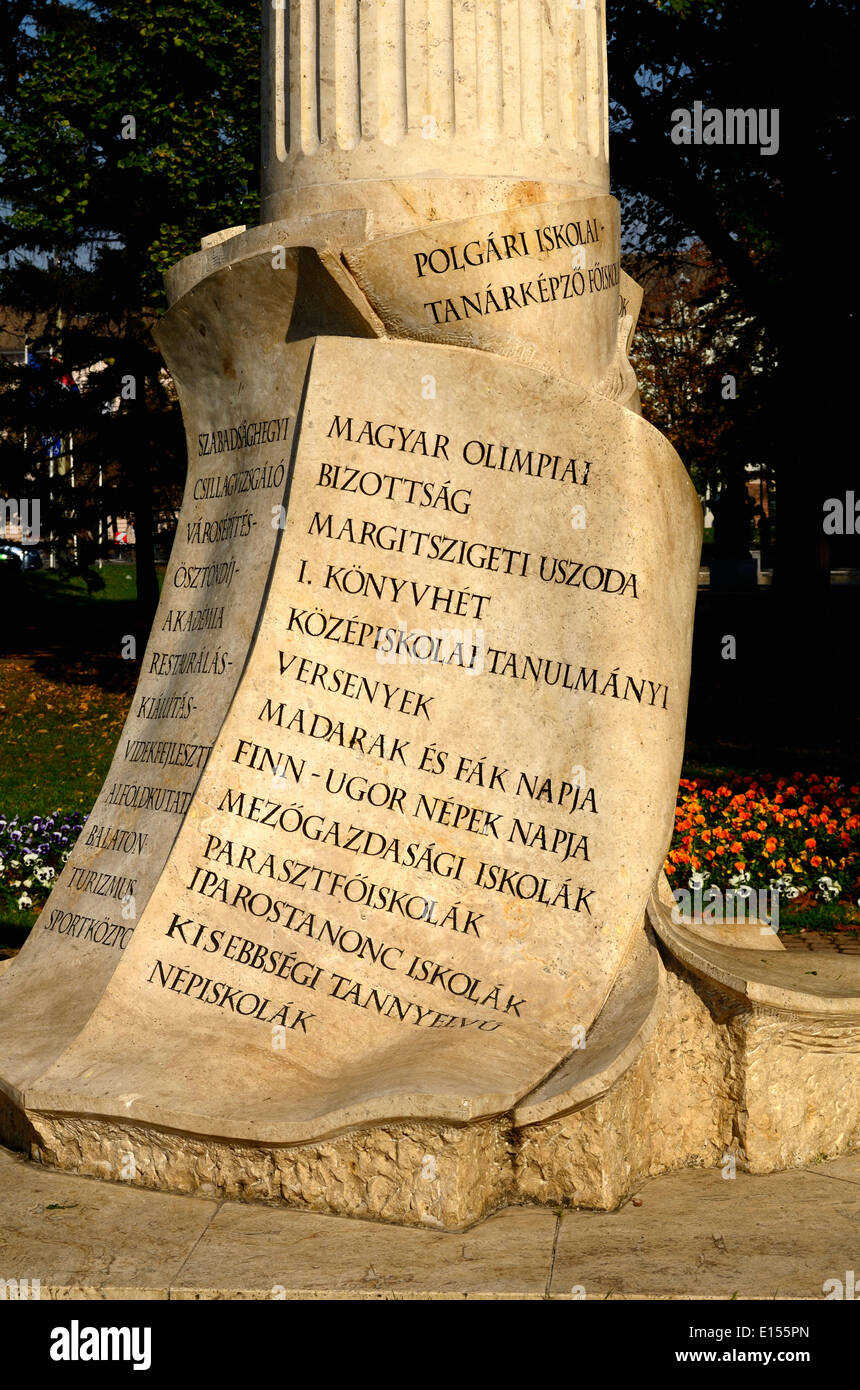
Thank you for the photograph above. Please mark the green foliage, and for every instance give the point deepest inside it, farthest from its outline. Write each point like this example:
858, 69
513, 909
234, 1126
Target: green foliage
684, 7
752, 216
128, 130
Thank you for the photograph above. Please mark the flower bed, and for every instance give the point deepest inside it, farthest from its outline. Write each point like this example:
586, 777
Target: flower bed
32, 853
799, 836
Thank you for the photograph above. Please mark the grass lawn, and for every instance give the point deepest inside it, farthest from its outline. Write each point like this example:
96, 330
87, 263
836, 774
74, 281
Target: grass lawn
58, 735
64, 694
64, 689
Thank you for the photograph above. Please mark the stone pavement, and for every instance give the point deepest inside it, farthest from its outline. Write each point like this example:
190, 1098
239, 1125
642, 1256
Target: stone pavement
691, 1234
845, 943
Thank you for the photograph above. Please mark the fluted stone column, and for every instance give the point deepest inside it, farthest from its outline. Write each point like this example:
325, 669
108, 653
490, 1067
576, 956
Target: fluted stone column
435, 108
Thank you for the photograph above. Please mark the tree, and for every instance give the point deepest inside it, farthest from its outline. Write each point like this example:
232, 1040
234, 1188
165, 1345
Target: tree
128, 128
694, 342
763, 216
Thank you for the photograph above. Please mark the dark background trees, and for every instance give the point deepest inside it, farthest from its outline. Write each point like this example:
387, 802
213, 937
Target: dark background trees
128, 129
94, 210
773, 229
768, 223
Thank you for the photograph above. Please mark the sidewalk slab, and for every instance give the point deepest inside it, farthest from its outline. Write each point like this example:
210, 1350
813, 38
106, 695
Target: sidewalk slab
693, 1235
846, 1169
257, 1253
698, 1235
82, 1238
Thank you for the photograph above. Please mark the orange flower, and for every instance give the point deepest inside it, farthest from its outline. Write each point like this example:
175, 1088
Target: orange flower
745, 815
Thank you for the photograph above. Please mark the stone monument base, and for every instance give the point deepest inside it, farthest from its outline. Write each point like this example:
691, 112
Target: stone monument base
705, 1055
580, 1051
358, 923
